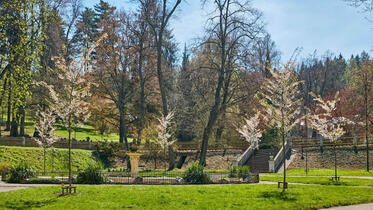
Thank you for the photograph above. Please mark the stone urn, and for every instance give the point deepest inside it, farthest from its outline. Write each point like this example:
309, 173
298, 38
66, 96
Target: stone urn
135, 159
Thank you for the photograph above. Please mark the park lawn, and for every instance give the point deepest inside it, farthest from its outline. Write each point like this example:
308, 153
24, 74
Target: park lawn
57, 159
320, 180
187, 197
325, 172
81, 133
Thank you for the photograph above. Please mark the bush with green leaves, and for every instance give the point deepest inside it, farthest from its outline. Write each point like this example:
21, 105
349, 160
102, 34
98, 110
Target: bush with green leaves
104, 150
239, 172
20, 173
91, 175
195, 174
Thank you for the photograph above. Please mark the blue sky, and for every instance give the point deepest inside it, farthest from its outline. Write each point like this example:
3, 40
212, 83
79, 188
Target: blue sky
311, 24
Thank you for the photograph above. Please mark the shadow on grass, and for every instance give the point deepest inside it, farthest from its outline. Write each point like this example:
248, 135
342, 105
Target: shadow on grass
26, 204
285, 196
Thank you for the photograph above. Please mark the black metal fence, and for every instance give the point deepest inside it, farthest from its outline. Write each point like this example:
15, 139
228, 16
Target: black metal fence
153, 177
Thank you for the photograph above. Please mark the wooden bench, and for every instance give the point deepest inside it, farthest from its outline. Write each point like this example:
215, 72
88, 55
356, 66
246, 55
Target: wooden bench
68, 189
284, 183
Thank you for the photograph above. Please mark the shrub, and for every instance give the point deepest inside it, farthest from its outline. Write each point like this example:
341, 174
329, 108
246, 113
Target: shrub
91, 175
5, 166
42, 181
104, 150
239, 172
21, 172
194, 174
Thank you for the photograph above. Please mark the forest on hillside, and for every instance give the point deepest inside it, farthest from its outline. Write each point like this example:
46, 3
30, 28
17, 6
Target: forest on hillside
120, 71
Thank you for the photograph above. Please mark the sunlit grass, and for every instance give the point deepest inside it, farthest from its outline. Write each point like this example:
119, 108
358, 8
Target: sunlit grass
187, 197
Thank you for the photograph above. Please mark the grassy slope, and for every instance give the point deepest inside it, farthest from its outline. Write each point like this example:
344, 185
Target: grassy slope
81, 133
326, 172
187, 197
34, 157
321, 180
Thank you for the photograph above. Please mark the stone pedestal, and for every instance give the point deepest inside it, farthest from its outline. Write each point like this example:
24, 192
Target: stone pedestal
135, 159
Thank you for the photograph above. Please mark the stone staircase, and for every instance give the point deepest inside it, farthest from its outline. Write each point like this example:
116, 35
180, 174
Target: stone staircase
258, 162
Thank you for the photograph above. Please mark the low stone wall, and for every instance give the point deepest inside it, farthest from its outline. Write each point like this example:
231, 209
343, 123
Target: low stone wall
346, 158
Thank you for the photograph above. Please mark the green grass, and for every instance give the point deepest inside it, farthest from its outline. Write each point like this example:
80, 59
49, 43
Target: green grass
187, 197
325, 172
320, 180
34, 157
81, 133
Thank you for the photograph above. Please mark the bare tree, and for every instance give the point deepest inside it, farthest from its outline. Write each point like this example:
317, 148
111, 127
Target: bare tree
157, 15
362, 77
232, 24
114, 67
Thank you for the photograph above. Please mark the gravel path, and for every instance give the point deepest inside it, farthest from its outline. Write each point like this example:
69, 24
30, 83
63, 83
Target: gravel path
366, 206
353, 177
5, 187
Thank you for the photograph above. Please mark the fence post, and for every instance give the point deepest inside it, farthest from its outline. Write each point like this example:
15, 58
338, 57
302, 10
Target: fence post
355, 144
23, 141
321, 144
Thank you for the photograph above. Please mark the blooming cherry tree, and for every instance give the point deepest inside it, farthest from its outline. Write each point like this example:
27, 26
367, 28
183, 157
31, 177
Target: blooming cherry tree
250, 131
328, 126
281, 103
164, 139
45, 126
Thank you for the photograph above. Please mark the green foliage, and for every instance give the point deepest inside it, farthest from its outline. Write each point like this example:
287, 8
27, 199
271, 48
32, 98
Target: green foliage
104, 150
239, 172
91, 175
270, 138
20, 172
5, 166
36, 180
195, 174
56, 159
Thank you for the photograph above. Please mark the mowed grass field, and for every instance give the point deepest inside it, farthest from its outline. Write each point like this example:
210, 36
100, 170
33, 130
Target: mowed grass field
325, 172
255, 196
320, 180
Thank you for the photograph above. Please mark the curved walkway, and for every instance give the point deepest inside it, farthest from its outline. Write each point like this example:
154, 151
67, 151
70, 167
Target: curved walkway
5, 187
366, 206
352, 177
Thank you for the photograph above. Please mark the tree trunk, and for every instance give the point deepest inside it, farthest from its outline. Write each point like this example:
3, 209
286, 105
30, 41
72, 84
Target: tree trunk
284, 162
14, 126
44, 159
69, 142
142, 95
366, 123
335, 162
212, 120
9, 107
22, 124
123, 129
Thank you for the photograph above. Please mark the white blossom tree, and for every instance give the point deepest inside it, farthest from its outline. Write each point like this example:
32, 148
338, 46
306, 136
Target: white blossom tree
328, 126
164, 138
250, 131
45, 125
68, 101
281, 103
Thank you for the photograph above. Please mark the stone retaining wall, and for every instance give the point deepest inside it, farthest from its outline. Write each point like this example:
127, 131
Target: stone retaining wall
346, 158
